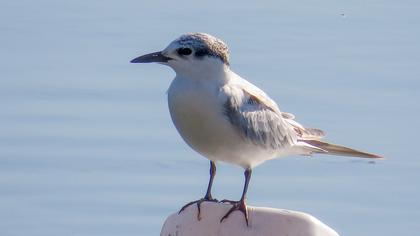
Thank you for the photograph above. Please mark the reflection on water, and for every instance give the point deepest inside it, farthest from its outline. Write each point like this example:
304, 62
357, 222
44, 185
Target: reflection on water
87, 146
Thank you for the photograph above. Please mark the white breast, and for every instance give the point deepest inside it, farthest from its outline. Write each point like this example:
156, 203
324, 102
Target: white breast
196, 108
197, 115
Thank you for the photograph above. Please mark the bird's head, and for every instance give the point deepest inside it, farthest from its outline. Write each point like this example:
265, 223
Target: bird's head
191, 54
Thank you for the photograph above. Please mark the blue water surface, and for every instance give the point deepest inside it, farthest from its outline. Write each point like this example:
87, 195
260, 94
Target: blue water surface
87, 146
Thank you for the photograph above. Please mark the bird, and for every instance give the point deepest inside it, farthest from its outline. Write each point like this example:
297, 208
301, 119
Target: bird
227, 119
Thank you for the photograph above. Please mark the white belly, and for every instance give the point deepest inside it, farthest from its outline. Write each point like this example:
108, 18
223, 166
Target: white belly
197, 112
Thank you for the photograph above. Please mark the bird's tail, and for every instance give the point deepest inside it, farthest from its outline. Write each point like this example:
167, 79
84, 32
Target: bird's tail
333, 149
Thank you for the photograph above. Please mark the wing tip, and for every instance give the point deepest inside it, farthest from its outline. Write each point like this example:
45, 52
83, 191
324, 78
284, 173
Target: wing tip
334, 149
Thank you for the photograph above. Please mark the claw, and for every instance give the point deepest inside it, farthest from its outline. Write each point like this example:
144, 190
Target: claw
198, 203
237, 206
229, 201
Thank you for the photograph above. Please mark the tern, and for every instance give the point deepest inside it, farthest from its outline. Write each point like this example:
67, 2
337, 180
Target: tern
226, 118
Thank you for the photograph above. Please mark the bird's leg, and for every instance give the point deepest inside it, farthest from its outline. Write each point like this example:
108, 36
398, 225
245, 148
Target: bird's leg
240, 205
208, 197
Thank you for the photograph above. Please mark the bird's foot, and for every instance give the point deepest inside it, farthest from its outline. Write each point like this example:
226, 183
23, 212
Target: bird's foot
198, 203
229, 201
237, 206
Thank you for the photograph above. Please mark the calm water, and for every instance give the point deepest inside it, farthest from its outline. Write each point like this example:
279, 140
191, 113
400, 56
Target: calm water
87, 146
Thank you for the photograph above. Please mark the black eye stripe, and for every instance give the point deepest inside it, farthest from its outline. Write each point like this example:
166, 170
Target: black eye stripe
184, 51
201, 52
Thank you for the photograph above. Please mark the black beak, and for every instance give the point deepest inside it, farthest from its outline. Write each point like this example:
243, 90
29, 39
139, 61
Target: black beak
151, 57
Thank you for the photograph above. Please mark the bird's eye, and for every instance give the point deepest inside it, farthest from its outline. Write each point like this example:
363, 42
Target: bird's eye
184, 51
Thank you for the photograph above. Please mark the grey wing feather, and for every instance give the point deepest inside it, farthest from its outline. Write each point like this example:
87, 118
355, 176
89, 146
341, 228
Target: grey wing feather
302, 132
312, 133
287, 115
260, 124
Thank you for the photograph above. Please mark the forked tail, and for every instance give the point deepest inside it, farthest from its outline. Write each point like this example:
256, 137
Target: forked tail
329, 148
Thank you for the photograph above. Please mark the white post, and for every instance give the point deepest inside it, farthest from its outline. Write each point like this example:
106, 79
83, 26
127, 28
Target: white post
262, 222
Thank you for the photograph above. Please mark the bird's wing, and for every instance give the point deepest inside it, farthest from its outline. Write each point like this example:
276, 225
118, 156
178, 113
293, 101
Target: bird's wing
256, 117
287, 115
301, 131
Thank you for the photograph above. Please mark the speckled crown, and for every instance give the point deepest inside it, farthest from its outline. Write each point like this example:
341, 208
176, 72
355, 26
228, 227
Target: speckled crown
206, 45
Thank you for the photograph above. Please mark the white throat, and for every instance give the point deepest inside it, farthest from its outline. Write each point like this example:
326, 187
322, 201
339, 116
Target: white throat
207, 69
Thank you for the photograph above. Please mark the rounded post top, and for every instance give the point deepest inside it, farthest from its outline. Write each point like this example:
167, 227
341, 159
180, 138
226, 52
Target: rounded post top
262, 221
